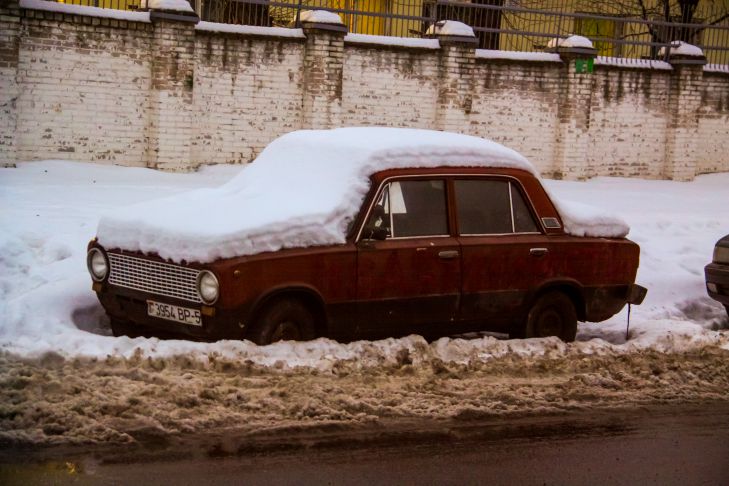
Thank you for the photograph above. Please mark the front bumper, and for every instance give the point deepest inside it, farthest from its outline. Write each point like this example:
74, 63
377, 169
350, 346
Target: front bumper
717, 282
131, 306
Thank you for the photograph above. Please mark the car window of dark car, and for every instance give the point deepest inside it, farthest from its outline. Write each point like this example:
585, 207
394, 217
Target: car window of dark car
523, 219
410, 208
491, 207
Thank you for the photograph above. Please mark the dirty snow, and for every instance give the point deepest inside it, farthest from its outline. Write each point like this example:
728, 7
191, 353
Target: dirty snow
66, 380
323, 173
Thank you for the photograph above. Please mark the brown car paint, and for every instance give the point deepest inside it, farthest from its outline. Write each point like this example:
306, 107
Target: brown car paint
430, 285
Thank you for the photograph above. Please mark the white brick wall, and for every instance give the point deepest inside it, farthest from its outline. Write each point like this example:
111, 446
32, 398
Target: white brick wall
517, 104
165, 95
628, 122
83, 98
247, 92
389, 87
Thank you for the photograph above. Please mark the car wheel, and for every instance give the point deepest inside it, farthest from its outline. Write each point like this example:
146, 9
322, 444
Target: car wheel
283, 320
553, 314
124, 328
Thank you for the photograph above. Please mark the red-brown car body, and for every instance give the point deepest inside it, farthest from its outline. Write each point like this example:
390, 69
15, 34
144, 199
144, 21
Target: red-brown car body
430, 285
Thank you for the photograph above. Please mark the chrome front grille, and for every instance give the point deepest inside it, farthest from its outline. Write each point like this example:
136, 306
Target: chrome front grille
154, 277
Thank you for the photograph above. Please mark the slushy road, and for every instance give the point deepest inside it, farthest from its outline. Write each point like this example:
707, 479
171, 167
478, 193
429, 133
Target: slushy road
663, 445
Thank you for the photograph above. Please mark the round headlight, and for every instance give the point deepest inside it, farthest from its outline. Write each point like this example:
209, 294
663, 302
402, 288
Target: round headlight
97, 264
207, 287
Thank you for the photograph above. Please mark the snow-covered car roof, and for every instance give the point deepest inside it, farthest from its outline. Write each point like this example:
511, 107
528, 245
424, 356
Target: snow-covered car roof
302, 190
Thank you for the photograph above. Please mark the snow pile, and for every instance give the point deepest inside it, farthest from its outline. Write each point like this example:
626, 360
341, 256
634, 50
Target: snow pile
680, 48
571, 41
323, 175
320, 17
585, 220
450, 27
50, 211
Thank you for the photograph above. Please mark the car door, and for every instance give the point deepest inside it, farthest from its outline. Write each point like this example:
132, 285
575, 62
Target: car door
504, 252
408, 263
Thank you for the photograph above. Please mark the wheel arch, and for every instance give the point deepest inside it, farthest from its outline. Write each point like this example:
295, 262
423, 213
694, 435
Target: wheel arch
571, 288
308, 295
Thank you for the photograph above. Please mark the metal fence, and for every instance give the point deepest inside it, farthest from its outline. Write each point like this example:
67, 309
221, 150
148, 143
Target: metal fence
619, 29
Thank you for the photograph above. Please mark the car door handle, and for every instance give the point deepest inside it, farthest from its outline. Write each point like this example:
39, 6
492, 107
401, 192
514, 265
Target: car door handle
538, 252
448, 254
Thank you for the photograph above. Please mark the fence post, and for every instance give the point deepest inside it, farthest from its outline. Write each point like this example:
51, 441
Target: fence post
10, 91
170, 125
575, 94
683, 105
323, 69
456, 64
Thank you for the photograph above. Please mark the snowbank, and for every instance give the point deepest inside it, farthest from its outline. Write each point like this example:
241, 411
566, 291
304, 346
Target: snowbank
322, 174
680, 48
50, 211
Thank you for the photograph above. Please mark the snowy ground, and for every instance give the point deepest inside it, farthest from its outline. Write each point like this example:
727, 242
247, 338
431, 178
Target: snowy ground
64, 378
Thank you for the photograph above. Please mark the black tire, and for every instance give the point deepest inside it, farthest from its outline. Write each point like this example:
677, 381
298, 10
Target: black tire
124, 328
283, 320
553, 314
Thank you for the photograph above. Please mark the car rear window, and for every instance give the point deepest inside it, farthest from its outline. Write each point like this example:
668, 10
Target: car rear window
492, 207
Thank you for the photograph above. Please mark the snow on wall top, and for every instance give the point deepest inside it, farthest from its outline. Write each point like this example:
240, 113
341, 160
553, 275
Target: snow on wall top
302, 190
320, 17
680, 48
517, 55
171, 5
249, 29
393, 41
450, 27
84, 10
571, 41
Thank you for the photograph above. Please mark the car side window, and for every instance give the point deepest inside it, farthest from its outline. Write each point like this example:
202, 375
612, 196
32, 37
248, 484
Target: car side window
523, 219
409, 209
492, 207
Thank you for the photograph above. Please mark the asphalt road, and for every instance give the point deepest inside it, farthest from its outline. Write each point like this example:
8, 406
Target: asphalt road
682, 445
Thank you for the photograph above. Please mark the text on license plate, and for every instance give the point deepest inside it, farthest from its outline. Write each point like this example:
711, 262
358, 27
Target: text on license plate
174, 313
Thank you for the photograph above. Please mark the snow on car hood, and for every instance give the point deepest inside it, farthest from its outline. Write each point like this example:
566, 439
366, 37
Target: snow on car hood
302, 190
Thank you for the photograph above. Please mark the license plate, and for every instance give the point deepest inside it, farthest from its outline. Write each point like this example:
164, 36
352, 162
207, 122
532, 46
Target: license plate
175, 313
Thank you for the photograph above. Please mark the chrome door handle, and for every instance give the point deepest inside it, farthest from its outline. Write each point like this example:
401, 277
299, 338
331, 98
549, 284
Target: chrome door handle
448, 254
538, 252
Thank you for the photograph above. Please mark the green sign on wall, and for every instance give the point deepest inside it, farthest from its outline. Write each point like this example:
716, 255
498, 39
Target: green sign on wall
584, 66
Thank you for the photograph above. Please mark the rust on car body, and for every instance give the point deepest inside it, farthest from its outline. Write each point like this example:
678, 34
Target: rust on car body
384, 283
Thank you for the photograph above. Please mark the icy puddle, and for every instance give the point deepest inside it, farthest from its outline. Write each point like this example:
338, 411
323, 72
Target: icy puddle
56, 400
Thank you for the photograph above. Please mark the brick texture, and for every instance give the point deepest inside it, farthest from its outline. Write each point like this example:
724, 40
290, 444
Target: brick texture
166, 95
